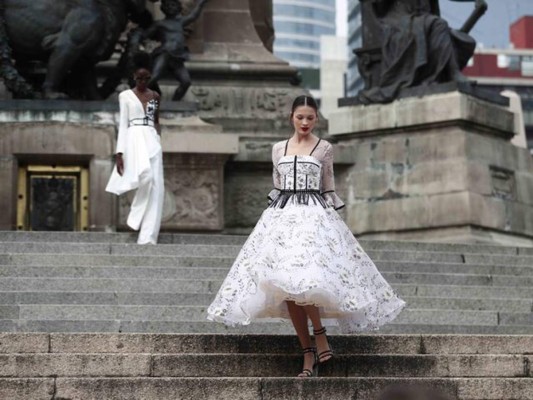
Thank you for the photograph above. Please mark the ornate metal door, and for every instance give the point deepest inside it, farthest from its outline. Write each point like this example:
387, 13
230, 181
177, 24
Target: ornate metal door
53, 198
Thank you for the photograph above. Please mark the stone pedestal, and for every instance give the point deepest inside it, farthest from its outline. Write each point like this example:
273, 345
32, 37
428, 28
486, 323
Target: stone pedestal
194, 157
438, 168
241, 86
71, 133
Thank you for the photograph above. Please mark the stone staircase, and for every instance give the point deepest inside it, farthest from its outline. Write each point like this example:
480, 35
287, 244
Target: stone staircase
233, 367
95, 316
96, 282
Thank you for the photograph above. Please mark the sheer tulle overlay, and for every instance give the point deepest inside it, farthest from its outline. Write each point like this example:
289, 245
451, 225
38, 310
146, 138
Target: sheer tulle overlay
302, 251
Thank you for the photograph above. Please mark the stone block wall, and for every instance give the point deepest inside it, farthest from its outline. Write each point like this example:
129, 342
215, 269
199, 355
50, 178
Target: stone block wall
437, 170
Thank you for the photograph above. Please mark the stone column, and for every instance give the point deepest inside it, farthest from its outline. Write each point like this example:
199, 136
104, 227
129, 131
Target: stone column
240, 85
237, 82
437, 168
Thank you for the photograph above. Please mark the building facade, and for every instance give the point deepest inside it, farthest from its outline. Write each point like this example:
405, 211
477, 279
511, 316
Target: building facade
354, 82
509, 69
298, 25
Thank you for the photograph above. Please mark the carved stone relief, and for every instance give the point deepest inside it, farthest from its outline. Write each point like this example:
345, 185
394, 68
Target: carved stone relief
243, 101
193, 193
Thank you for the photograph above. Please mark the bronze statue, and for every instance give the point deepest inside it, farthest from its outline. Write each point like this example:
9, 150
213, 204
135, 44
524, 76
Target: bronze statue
173, 52
70, 36
416, 47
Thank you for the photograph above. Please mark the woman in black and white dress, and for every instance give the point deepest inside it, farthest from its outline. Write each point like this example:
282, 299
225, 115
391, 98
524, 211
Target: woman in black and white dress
302, 261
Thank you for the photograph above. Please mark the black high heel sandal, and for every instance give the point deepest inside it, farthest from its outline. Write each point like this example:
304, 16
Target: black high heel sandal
326, 353
306, 372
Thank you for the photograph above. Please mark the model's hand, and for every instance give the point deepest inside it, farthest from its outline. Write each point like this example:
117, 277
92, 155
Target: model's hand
120, 164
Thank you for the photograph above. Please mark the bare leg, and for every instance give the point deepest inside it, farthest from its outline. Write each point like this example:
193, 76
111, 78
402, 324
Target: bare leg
321, 341
299, 320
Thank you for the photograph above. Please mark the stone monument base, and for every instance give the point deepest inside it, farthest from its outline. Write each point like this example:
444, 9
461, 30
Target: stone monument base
439, 168
57, 157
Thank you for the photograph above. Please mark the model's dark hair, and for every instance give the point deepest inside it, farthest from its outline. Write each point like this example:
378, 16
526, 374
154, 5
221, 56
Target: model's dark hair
141, 60
304, 100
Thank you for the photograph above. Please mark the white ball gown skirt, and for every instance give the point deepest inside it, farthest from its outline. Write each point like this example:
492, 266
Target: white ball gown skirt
306, 254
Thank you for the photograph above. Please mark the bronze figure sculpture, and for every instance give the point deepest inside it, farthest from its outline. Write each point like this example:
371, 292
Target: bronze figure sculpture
69, 36
173, 51
407, 44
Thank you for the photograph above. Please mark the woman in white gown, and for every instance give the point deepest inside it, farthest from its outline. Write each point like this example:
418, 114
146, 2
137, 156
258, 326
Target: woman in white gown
139, 157
302, 261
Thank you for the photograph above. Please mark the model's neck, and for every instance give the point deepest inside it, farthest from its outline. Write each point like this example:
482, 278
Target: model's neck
297, 138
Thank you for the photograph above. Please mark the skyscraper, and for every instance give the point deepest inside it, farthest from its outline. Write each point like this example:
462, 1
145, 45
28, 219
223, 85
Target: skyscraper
299, 25
354, 82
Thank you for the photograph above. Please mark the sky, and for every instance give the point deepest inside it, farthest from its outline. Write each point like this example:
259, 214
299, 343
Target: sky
491, 31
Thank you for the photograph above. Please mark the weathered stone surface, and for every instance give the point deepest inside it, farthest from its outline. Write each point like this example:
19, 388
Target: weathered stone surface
450, 344
488, 212
347, 388
524, 188
27, 388
49, 365
157, 389
408, 213
24, 343
495, 389
430, 146
245, 196
497, 153
194, 187
425, 182
429, 110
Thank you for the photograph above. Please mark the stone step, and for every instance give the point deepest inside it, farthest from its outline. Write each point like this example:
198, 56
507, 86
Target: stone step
129, 237
261, 344
259, 365
182, 255
204, 299
103, 297
114, 326
88, 260
129, 249
148, 388
105, 282
198, 313
222, 265
450, 303
212, 286
214, 239
505, 276
226, 250
473, 292
453, 268
11, 271
20, 271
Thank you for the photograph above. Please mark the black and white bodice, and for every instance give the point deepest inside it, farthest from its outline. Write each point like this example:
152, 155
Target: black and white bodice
299, 182
151, 108
300, 173
303, 179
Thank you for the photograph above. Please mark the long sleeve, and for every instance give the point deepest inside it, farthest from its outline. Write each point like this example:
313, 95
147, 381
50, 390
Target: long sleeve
123, 123
276, 177
328, 180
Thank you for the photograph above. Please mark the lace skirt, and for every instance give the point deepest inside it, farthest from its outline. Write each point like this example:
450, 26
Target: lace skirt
305, 254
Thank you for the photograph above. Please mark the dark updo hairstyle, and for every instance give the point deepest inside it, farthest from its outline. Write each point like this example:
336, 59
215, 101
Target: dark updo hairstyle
141, 60
304, 100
